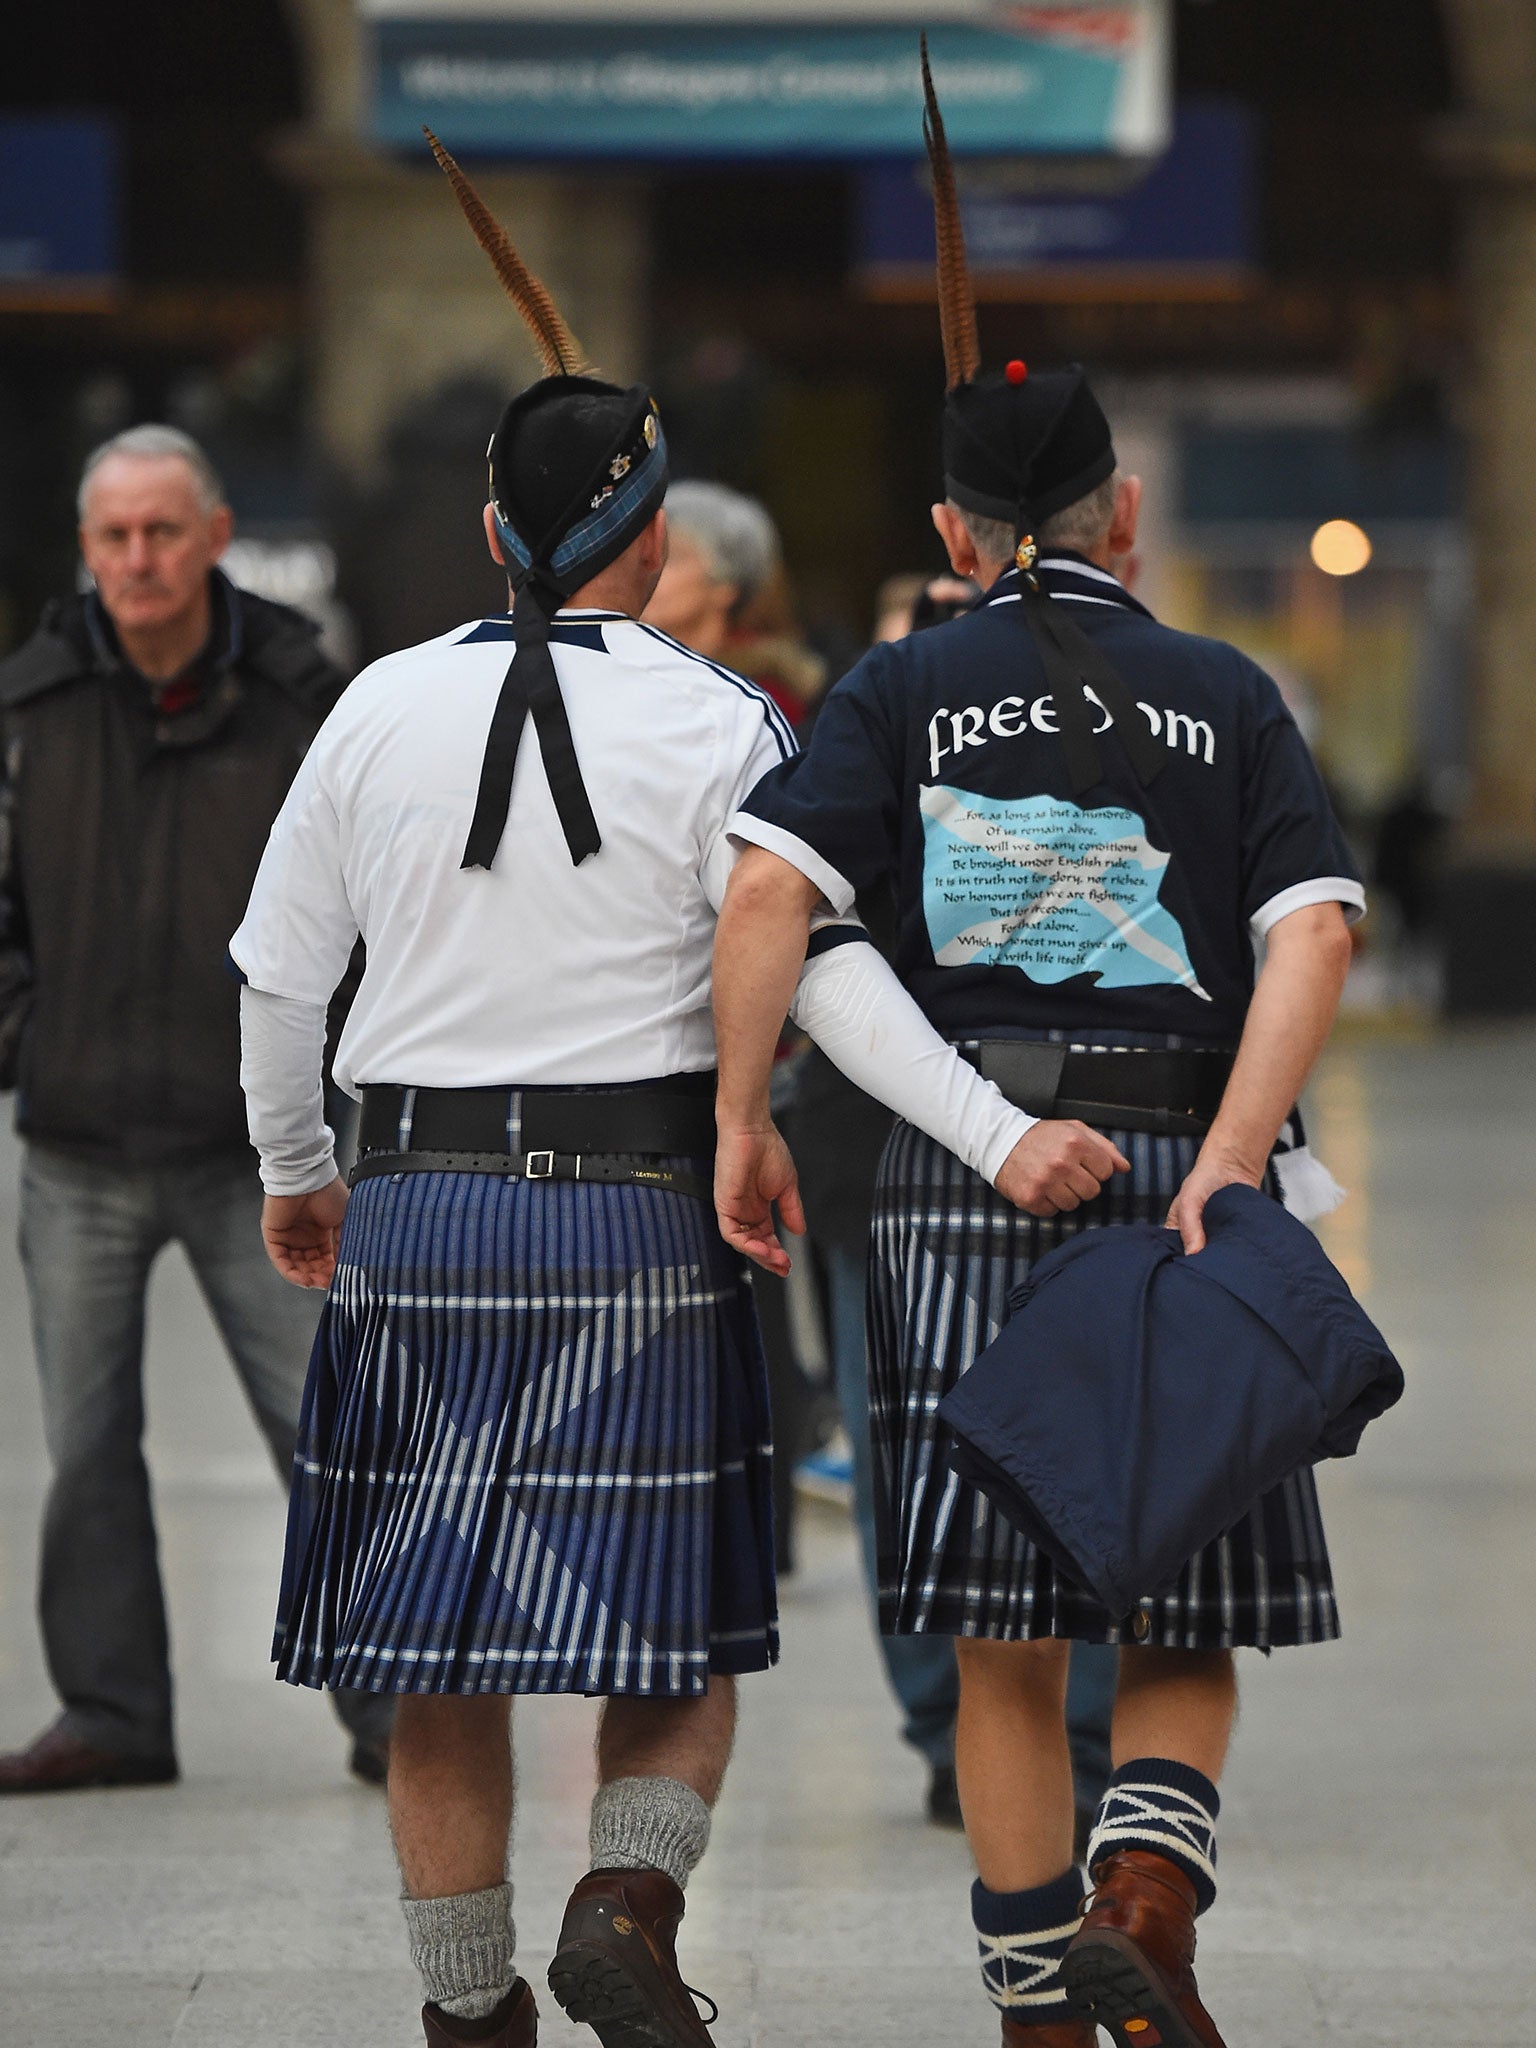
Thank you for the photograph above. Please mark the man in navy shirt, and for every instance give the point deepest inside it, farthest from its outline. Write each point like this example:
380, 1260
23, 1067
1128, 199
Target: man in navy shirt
1090, 821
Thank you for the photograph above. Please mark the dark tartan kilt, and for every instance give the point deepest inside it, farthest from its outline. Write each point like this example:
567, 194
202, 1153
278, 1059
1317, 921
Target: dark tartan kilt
534, 1454
946, 1250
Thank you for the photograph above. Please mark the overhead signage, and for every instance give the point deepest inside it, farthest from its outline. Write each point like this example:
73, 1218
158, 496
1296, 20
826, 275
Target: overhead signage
1013, 79
58, 211
1179, 223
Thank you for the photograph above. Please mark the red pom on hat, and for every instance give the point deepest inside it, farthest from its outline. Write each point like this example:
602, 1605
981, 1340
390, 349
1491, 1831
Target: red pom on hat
1016, 371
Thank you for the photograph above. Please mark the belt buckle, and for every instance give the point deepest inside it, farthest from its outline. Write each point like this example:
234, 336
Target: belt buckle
539, 1166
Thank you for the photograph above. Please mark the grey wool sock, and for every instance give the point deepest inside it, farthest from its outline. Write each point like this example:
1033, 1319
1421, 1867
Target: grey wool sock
649, 1824
463, 1948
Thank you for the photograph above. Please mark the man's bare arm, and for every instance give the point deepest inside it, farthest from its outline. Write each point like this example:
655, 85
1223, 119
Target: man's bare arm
1292, 1012
760, 944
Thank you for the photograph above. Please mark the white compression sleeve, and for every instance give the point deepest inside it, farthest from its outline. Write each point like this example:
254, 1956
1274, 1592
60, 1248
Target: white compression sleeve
282, 1058
850, 1001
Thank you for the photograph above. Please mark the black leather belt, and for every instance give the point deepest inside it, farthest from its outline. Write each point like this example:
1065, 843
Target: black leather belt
609, 1135
1170, 1094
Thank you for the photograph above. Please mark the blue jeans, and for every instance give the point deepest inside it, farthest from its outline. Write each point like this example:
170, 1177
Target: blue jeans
89, 1235
922, 1668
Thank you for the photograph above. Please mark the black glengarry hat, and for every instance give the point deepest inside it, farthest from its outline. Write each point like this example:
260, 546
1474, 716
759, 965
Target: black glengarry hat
1017, 446
578, 469
1021, 447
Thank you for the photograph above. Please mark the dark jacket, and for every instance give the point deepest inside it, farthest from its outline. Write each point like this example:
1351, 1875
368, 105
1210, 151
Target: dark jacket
1138, 1402
129, 839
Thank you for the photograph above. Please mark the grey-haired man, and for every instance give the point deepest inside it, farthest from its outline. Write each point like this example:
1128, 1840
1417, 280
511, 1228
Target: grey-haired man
150, 730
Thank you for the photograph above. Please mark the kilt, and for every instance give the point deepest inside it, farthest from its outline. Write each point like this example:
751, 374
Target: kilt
946, 1250
534, 1453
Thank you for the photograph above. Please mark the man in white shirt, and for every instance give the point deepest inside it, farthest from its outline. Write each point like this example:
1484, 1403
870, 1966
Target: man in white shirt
534, 1453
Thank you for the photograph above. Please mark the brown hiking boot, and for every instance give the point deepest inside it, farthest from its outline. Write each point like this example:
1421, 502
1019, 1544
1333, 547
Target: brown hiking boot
513, 2024
1053, 2034
616, 1966
1130, 1968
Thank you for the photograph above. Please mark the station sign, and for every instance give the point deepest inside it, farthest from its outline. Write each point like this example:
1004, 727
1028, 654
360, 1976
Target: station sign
1180, 224
680, 82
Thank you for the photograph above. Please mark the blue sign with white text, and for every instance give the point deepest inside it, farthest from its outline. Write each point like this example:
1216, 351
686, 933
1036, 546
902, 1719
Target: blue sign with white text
576, 89
1189, 211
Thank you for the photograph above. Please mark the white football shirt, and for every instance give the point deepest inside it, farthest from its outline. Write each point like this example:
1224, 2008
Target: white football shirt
532, 971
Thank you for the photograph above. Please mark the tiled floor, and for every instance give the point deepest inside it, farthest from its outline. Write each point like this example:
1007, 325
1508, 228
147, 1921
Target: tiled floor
1379, 1838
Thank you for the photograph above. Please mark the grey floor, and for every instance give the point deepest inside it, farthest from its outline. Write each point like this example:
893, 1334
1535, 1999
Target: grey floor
1379, 1839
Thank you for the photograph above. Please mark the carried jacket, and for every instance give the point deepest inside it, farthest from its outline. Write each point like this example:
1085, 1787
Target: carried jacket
1138, 1402
129, 839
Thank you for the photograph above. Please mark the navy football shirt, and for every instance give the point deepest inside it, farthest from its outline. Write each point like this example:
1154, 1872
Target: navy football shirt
935, 764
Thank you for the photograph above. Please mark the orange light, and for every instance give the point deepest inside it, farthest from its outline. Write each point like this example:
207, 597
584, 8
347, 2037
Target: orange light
1341, 548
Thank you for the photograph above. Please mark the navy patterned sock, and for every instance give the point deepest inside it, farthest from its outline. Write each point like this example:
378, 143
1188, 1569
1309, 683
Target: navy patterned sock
1168, 1809
1022, 1937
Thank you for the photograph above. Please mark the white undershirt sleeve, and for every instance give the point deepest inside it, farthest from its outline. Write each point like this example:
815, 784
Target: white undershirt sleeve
851, 1003
282, 1060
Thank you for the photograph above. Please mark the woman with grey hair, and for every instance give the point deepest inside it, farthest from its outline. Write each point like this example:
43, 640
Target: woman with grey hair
717, 593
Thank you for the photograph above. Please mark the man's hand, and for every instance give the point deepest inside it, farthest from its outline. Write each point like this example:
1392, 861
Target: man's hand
301, 1233
1056, 1166
1212, 1170
753, 1171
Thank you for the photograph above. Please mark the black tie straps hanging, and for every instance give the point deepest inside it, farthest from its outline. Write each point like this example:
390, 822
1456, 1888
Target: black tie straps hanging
578, 469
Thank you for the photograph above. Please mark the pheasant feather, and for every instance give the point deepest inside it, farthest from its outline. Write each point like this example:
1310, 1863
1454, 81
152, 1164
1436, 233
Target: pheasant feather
957, 302
555, 342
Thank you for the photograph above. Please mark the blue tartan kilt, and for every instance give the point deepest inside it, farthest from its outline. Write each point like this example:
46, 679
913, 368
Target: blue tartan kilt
946, 1251
534, 1454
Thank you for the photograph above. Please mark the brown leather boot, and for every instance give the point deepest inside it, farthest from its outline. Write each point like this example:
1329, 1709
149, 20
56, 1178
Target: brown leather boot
513, 2024
616, 1966
1130, 1967
1054, 2034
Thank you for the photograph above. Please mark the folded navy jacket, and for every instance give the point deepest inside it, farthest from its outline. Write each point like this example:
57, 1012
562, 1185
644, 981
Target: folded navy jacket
1138, 1402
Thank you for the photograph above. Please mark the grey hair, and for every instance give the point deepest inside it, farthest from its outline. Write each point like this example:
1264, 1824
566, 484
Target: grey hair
734, 533
157, 442
1081, 525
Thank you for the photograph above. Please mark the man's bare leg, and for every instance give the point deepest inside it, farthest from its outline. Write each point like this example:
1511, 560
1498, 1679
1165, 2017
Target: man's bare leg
450, 1792
1012, 1762
689, 1740
450, 1809
1179, 1704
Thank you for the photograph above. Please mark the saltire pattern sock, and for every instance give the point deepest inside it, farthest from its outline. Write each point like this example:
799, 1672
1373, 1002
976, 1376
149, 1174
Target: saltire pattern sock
1167, 1809
649, 1824
1022, 1937
463, 1947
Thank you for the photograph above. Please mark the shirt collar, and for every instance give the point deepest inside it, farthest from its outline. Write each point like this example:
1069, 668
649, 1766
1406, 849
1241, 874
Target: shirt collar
1063, 573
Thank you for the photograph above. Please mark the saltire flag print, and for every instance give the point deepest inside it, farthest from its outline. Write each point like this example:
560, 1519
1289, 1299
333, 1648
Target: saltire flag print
1042, 884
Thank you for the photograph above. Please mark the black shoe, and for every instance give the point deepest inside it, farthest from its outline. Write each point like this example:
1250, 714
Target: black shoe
369, 1760
944, 1798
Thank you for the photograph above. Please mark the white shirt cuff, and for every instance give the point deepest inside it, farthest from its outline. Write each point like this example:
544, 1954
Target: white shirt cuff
1340, 889
837, 889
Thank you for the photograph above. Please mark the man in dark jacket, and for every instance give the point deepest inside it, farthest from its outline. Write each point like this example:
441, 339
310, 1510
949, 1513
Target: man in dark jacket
150, 730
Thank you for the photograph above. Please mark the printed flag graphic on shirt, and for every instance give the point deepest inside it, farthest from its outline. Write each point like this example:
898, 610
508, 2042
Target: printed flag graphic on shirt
1041, 884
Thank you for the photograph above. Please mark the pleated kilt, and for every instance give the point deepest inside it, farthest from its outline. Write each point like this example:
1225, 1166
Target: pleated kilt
534, 1453
946, 1250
